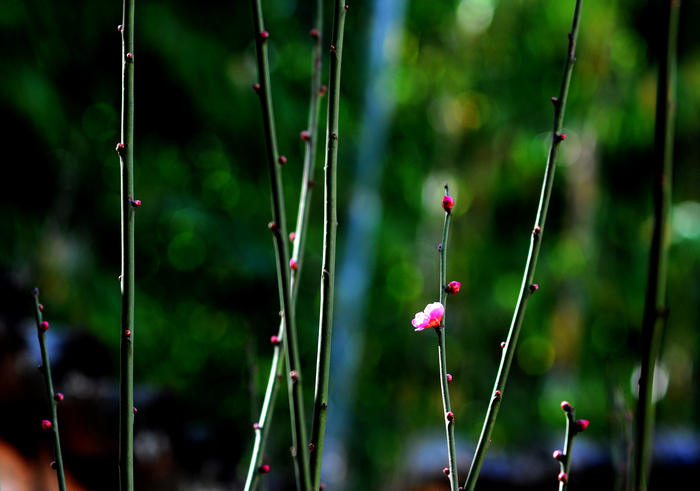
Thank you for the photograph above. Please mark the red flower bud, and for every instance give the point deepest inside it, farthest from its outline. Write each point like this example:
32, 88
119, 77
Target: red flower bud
453, 287
305, 136
582, 424
282, 160
566, 407
449, 378
503, 344
293, 265
292, 236
44, 326
46, 425
136, 203
450, 416
275, 340
562, 477
41, 307
58, 397
446, 471
447, 204
136, 410
264, 469
534, 287
558, 455
264, 35
322, 91
256, 87
127, 333
314, 34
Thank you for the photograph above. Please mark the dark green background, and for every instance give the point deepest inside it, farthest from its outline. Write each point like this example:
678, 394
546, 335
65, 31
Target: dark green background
472, 109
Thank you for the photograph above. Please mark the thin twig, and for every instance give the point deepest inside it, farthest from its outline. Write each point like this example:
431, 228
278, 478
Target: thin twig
655, 310
573, 428
125, 149
53, 399
279, 228
318, 428
442, 354
527, 287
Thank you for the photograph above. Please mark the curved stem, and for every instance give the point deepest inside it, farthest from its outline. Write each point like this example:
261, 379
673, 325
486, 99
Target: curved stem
128, 208
442, 357
279, 229
527, 287
572, 429
53, 402
318, 428
655, 311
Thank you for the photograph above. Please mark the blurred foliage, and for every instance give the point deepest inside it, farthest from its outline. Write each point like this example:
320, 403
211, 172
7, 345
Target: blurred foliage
473, 83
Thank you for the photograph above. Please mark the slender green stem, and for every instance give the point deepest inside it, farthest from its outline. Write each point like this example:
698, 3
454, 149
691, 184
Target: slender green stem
279, 229
318, 428
573, 427
527, 287
262, 428
449, 417
655, 311
53, 399
125, 149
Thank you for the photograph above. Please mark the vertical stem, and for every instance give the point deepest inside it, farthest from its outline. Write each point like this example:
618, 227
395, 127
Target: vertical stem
527, 288
655, 311
126, 155
279, 228
444, 389
318, 428
53, 402
262, 429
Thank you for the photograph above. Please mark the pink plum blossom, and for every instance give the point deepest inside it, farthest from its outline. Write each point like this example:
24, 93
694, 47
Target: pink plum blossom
430, 317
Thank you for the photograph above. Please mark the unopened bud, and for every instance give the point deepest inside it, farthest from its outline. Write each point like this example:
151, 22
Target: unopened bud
450, 416
322, 91
582, 424
449, 378
314, 34
294, 375
44, 326
558, 455
305, 136
282, 160
503, 344
453, 287
275, 340
264, 36
534, 287
58, 397
562, 477
53, 465
41, 307
566, 407
264, 469
293, 265
46, 425
446, 471
447, 204
292, 236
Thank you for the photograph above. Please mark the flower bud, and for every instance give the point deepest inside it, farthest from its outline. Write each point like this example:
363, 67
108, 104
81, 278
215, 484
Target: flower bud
46, 425
305, 136
275, 340
53, 465
566, 407
264, 469
447, 204
264, 35
446, 471
58, 397
582, 424
558, 455
450, 416
44, 326
282, 160
449, 378
534, 287
292, 236
453, 287
562, 477
293, 265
